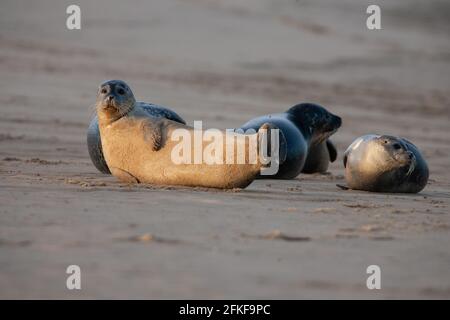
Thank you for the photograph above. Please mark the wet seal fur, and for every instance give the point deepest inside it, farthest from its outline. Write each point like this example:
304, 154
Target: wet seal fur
383, 163
306, 128
137, 147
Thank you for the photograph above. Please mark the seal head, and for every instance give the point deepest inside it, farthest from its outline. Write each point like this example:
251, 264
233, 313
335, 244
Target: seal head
116, 98
317, 123
385, 163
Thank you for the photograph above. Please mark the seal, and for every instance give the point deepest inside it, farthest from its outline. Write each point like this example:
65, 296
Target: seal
94, 141
383, 163
306, 128
139, 149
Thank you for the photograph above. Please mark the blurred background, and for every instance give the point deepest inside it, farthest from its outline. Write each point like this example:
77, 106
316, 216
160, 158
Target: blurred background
225, 62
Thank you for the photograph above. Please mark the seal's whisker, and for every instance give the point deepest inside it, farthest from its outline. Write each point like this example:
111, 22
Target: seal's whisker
412, 166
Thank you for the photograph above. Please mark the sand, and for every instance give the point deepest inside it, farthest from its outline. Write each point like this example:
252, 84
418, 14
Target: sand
222, 62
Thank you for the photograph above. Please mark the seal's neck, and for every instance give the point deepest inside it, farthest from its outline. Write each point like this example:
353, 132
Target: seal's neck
305, 128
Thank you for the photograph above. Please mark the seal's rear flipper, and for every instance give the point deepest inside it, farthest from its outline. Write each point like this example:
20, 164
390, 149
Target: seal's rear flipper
282, 144
332, 150
342, 187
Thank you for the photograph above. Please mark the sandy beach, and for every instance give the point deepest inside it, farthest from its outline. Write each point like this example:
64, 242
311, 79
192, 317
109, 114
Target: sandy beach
222, 62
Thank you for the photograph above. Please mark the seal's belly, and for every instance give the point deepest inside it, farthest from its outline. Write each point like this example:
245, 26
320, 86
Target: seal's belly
127, 147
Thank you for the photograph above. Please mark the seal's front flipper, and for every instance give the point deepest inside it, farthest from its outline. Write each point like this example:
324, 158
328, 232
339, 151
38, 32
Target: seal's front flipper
332, 150
153, 133
124, 176
342, 187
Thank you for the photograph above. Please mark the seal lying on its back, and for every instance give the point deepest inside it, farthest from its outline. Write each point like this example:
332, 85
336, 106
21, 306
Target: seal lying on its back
306, 128
94, 141
138, 148
384, 163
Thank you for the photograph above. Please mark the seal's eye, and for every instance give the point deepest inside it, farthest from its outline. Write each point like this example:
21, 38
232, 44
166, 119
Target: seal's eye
397, 146
103, 91
121, 91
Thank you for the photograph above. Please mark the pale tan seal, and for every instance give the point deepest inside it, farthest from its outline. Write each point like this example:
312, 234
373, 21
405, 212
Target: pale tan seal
383, 163
138, 148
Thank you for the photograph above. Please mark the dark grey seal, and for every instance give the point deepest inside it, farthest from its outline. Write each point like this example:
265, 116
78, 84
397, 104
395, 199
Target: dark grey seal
306, 128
